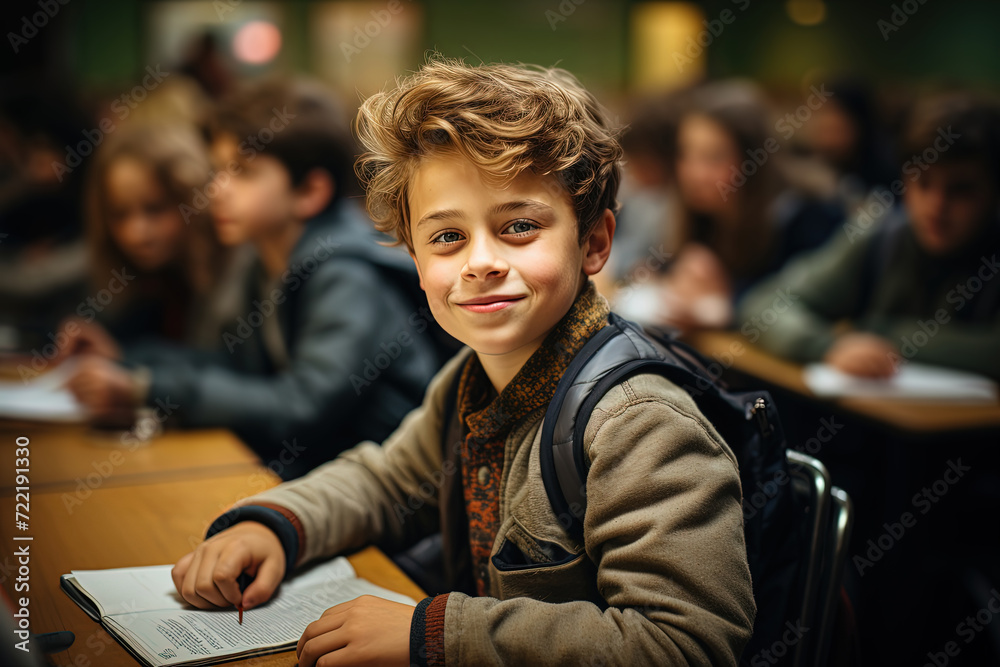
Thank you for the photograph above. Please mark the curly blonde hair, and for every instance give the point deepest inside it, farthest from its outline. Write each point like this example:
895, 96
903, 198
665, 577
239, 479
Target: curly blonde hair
504, 119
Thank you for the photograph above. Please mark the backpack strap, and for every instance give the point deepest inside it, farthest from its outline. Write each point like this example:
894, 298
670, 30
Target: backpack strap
615, 353
748, 421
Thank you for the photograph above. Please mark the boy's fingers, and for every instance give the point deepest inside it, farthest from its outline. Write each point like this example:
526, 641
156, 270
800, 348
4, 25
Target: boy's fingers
878, 364
187, 585
77, 383
233, 560
269, 575
205, 585
318, 639
180, 569
341, 608
194, 589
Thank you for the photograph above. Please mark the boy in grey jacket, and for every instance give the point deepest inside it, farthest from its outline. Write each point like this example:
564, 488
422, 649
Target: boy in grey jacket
327, 349
502, 182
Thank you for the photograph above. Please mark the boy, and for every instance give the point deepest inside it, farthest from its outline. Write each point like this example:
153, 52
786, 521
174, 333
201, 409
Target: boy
328, 349
921, 285
501, 181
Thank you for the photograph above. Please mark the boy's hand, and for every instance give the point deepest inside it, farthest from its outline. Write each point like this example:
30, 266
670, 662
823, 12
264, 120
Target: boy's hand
698, 271
106, 389
364, 631
84, 337
697, 290
862, 354
206, 577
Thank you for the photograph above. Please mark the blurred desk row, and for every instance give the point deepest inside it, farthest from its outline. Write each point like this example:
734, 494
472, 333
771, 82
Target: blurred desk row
904, 417
95, 506
97, 502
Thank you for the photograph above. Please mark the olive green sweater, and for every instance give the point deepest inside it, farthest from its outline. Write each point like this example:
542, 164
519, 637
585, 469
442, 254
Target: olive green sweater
941, 311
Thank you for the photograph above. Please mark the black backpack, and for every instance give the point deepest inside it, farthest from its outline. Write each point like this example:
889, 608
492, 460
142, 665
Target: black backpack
749, 424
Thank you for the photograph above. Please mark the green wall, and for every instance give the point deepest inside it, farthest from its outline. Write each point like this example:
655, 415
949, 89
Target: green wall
941, 40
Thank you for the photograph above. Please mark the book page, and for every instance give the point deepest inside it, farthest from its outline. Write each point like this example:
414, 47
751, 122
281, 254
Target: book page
175, 633
130, 589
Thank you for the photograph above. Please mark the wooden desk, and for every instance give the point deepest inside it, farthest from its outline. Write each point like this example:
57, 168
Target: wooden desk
910, 416
76, 458
150, 524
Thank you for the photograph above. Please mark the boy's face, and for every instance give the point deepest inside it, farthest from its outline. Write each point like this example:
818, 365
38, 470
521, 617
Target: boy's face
252, 198
949, 204
500, 266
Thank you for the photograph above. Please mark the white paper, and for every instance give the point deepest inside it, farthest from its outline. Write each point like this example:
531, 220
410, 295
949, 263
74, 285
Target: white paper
913, 381
129, 589
43, 398
142, 607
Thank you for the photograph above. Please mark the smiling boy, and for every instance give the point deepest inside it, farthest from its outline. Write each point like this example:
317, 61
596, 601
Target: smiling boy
502, 183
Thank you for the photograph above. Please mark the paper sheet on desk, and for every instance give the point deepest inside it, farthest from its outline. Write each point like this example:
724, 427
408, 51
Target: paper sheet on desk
913, 381
44, 397
140, 606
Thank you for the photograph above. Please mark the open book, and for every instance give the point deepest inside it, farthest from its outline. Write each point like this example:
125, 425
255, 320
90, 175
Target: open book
141, 609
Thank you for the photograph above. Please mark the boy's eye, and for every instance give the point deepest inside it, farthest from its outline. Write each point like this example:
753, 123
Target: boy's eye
447, 237
522, 226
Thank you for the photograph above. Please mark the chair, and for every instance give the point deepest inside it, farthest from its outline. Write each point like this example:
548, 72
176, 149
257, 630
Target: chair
838, 539
829, 518
812, 489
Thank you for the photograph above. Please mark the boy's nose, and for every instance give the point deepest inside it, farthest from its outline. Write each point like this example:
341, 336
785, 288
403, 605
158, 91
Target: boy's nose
483, 261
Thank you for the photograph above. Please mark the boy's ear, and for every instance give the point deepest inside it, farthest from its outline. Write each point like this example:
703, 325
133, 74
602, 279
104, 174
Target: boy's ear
313, 194
597, 247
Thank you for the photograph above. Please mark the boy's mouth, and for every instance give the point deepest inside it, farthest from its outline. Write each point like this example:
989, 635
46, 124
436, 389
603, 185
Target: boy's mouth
489, 304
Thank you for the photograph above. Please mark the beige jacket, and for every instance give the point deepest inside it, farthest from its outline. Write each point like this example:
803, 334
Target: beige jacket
662, 577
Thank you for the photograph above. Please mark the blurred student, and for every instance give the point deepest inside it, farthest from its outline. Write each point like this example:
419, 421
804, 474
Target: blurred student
328, 348
645, 226
921, 284
501, 181
846, 134
156, 270
740, 218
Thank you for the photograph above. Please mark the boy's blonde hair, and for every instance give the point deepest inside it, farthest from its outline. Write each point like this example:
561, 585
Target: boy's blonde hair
504, 119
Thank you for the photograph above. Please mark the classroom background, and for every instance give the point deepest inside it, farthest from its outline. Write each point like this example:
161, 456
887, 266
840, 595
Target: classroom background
832, 82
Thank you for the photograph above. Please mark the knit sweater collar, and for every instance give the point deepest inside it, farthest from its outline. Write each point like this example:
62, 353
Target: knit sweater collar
489, 415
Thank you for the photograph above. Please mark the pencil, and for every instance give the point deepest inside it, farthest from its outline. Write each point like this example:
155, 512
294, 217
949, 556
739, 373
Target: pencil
243, 581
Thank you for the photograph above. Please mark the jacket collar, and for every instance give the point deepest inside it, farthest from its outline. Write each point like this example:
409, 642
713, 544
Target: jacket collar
345, 231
